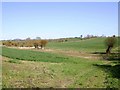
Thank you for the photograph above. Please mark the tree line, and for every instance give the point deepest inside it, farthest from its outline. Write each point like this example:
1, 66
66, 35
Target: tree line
26, 43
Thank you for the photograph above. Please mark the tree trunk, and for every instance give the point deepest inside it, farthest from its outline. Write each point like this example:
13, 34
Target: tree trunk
36, 46
108, 50
41, 46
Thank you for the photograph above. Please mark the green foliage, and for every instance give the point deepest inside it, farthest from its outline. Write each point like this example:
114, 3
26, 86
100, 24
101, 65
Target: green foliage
110, 41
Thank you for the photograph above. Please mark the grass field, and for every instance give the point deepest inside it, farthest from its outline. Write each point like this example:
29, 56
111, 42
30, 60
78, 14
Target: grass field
89, 45
40, 68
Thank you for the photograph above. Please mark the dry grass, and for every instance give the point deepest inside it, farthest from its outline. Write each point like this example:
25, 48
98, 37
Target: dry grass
32, 74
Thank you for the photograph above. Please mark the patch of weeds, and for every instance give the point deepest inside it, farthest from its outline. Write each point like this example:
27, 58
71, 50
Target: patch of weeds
111, 82
14, 61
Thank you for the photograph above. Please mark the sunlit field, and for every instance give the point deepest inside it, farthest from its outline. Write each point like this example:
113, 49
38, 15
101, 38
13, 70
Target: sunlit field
71, 64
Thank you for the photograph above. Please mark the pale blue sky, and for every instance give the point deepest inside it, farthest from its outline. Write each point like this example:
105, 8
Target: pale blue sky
57, 20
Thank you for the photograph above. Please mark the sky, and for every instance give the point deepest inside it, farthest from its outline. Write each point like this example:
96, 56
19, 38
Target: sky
50, 20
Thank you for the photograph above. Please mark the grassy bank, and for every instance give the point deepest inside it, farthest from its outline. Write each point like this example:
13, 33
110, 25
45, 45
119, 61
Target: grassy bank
53, 70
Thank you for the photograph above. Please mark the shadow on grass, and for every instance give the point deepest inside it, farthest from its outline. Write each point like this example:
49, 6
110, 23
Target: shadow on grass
98, 53
113, 70
112, 56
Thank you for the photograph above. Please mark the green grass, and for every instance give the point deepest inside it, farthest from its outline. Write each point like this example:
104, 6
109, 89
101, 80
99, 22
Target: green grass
70, 72
46, 74
38, 56
27, 68
94, 44
33, 55
89, 45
